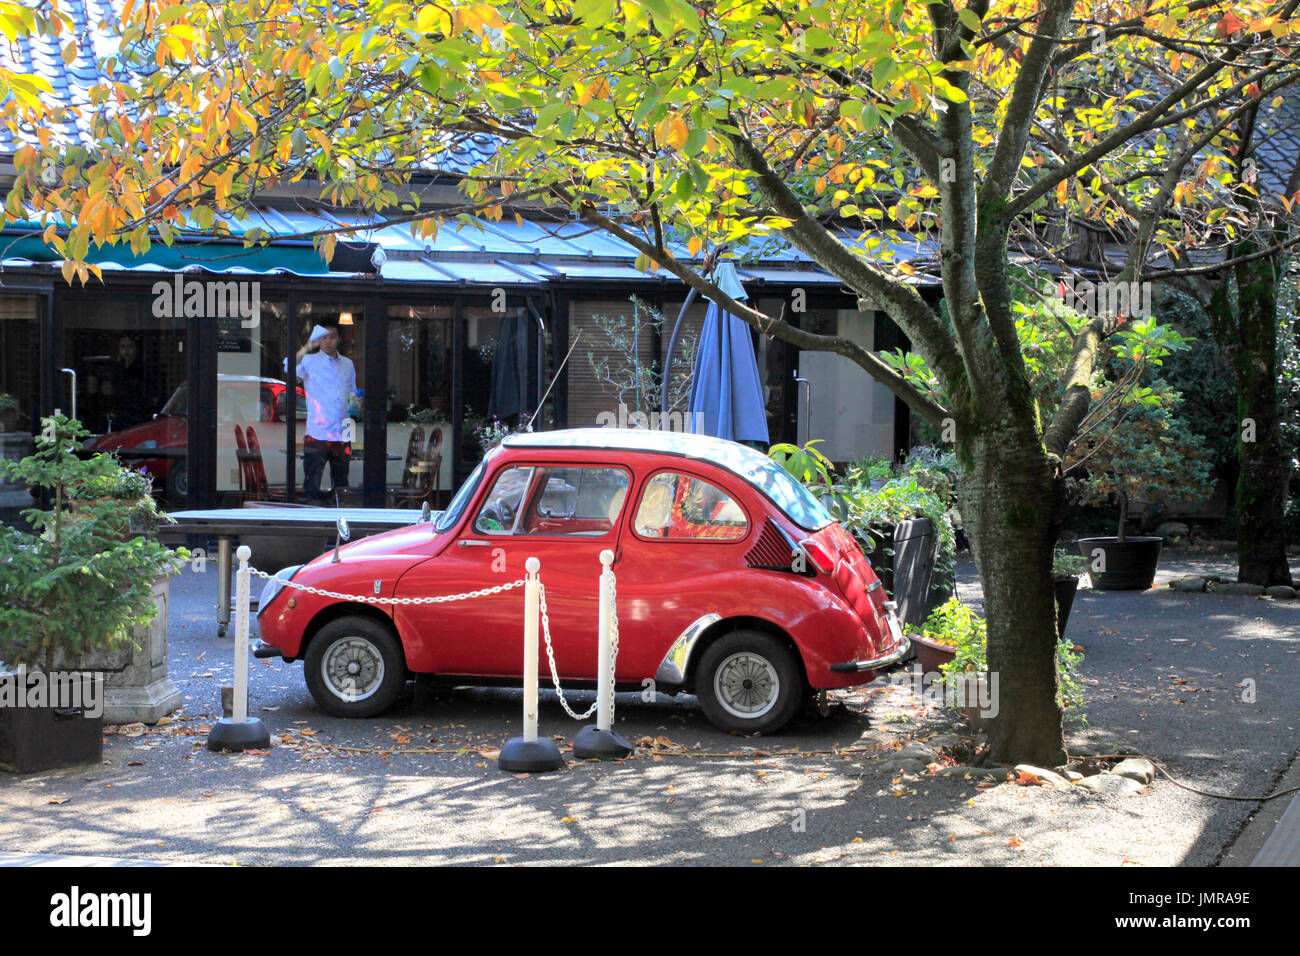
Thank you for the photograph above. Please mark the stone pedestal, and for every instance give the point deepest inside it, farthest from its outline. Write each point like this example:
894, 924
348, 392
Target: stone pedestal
137, 688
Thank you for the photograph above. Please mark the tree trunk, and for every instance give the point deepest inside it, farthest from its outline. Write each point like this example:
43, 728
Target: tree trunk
1248, 338
1011, 508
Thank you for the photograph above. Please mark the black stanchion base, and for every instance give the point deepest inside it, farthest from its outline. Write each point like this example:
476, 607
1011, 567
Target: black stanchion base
522, 756
592, 743
231, 734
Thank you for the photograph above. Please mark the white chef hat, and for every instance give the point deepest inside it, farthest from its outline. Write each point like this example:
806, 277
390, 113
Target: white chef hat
319, 332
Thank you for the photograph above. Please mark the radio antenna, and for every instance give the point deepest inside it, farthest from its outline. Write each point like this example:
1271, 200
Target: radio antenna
554, 379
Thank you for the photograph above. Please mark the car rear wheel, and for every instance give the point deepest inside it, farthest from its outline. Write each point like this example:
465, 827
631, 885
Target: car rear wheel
750, 682
355, 668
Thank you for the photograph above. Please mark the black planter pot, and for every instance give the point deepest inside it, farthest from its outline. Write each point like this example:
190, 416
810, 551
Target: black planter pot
47, 738
1130, 565
1065, 588
907, 572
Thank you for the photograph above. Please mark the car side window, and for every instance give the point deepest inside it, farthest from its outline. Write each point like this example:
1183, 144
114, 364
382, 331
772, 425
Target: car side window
677, 506
581, 501
500, 511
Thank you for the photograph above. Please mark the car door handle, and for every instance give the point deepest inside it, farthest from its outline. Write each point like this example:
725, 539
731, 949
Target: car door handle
472, 543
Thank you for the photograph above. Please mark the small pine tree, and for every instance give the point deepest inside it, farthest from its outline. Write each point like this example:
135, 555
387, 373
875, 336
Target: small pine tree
78, 580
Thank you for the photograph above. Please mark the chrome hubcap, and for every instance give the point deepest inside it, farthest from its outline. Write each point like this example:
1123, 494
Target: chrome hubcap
746, 685
353, 669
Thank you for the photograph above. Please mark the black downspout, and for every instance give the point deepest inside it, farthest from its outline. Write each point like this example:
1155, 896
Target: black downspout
291, 346
457, 392
201, 440
374, 417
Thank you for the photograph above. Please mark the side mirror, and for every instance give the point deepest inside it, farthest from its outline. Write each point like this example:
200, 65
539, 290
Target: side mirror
342, 533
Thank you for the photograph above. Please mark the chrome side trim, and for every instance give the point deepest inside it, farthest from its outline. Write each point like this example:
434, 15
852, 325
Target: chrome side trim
672, 669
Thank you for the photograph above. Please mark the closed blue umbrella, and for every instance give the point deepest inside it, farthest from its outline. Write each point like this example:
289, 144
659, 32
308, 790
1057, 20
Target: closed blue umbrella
726, 393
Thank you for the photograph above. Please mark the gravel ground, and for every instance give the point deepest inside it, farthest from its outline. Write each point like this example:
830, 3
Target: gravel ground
1166, 674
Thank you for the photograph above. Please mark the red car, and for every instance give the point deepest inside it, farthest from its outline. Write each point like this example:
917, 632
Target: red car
241, 399
733, 582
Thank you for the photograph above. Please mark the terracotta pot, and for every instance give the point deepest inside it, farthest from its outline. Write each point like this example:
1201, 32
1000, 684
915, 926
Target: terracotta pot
929, 655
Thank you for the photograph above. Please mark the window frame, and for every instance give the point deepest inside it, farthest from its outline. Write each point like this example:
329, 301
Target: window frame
527, 501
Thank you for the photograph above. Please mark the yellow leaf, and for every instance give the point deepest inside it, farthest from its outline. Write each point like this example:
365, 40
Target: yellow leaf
426, 21
671, 131
694, 245
68, 269
1062, 191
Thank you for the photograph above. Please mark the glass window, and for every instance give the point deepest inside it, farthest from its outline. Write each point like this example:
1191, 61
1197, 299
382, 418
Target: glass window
420, 426
500, 511
577, 501
683, 506
128, 353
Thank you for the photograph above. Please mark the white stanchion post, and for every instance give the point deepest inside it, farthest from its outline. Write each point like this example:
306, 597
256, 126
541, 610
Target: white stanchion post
529, 753
239, 731
532, 611
599, 742
605, 645
240, 710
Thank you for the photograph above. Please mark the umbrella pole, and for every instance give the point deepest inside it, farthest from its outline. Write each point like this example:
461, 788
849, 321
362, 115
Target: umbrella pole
668, 359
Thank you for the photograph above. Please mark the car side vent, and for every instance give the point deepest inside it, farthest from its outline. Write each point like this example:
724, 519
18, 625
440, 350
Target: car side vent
774, 551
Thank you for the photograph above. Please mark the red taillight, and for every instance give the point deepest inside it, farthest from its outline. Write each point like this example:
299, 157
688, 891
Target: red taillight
818, 555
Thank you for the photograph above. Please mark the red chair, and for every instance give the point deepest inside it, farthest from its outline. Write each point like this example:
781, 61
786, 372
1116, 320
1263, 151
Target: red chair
241, 455
258, 488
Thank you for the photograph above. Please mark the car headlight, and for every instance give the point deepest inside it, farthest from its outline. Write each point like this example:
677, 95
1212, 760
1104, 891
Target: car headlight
275, 586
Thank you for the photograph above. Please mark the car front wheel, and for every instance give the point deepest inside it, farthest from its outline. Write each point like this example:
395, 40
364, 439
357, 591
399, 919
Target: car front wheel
355, 668
750, 682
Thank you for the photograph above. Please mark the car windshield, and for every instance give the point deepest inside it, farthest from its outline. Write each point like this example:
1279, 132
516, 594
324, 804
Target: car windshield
456, 508
176, 405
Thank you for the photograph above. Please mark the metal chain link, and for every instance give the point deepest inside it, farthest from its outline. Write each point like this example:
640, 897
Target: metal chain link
371, 599
550, 657
550, 653
484, 592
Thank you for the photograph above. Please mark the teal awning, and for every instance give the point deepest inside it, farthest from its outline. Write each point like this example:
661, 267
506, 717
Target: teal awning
299, 259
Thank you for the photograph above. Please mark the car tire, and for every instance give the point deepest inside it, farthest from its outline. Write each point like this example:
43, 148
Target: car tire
750, 682
178, 483
355, 667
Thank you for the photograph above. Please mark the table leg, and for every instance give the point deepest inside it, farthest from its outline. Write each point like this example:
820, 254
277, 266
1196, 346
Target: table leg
223, 584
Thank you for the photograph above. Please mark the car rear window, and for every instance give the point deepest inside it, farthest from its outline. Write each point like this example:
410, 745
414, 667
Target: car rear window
676, 506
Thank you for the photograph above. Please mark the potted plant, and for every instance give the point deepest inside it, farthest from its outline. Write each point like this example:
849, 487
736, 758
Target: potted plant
14, 445
8, 412
1148, 454
950, 627
962, 636
877, 469
76, 584
1066, 568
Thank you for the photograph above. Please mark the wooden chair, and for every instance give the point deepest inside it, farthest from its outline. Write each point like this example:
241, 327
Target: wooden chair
258, 488
420, 477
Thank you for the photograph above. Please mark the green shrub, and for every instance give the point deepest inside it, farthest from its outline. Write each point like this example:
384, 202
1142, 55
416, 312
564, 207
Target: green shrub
954, 625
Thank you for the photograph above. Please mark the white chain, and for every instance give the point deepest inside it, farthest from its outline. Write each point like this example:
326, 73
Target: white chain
484, 592
550, 653
371, 599
550, 657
